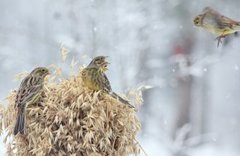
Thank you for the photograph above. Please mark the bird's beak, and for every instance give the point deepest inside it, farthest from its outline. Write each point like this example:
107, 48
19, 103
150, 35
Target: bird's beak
106, 63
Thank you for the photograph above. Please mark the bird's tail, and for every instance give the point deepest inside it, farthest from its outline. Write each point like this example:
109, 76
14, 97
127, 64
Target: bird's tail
114, 95
20, 123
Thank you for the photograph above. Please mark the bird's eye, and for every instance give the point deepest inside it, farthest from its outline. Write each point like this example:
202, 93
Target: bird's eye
196, 20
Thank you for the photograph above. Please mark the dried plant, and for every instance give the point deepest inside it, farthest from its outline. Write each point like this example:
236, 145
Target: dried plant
72, 120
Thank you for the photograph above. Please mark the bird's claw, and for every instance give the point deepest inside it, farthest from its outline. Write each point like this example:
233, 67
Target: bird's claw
219, 39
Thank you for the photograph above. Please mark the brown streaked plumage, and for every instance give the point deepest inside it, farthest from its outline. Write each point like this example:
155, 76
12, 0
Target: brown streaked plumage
29, 91
218, 24
94, 78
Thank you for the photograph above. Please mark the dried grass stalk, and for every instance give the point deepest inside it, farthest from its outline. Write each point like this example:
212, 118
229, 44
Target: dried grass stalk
72, 120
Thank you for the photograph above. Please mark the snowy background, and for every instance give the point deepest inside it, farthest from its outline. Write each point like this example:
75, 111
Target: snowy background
193, 108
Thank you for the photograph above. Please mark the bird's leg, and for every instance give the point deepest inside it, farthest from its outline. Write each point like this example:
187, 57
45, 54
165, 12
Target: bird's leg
219, 38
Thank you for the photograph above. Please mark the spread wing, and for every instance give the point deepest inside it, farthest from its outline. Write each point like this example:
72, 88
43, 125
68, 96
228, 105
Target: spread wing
210, 10
221, 21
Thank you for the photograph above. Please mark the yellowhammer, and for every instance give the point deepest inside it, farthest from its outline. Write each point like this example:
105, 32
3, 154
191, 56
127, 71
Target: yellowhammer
216, 23
94, 78
29, 91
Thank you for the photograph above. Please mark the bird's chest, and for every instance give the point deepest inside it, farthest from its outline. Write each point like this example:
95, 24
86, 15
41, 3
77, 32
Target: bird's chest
91, 79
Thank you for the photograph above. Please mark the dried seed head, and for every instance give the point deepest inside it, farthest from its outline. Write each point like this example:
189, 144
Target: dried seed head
70, 119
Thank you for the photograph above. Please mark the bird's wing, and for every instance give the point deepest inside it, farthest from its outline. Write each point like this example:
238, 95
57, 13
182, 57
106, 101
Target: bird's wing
228, 21
29, 87
108, 89
210, 10
221, 20
21, 91
106, 84
126, 102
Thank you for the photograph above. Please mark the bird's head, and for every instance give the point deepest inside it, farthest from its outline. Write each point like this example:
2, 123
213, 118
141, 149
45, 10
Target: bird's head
197, 21
40, 71
99, 62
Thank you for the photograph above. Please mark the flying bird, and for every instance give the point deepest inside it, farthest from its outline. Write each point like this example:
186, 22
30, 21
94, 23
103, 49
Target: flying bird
217, 24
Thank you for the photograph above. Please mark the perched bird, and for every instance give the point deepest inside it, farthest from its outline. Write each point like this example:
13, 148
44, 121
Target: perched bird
216, 23
29, 92
94, 78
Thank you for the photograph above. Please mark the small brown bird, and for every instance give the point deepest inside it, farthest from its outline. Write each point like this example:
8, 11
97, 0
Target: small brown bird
29, 92
216, 23
94, 78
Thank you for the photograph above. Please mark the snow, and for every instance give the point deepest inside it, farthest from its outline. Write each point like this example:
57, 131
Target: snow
150, 43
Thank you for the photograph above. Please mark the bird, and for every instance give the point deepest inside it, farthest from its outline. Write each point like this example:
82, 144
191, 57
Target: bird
217, 24
29, 92
94, 78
